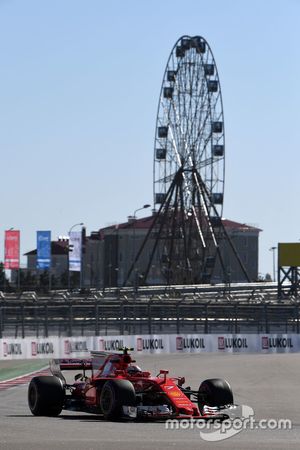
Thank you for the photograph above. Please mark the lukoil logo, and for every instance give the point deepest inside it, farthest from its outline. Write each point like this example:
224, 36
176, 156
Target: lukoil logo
41, 348
111, 344
276, 342
12, 349
189, 343
235, 342
75, 347
149, 344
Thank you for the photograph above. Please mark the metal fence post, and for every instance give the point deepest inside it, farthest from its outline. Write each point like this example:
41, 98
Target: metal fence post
1, 322
70, 319
46, 321
177, 318
122, 319
149, 318
266, 319
23, 322
96, 318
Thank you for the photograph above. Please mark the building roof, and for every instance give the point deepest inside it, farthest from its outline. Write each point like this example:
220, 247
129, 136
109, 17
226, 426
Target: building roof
231, 225
146, 222
57, 248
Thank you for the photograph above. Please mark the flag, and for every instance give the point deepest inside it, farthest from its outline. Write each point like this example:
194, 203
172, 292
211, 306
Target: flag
75, 251
12, 249
43, 259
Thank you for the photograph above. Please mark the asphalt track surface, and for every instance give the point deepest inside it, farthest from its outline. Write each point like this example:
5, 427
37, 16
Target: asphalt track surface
268, 383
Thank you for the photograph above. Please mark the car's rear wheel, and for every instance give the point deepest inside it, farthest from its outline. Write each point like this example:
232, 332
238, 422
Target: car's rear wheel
214, 392
46, 396
114, 395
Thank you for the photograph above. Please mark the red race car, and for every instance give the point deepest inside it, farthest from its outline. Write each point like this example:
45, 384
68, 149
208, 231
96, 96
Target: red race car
112, 385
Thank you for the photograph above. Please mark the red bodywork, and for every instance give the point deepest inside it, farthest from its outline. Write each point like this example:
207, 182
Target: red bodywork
156, 390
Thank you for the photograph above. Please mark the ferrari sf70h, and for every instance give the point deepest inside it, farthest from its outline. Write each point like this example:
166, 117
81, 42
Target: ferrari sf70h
111, 384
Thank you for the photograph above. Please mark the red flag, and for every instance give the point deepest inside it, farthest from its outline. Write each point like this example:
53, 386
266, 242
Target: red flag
12, 249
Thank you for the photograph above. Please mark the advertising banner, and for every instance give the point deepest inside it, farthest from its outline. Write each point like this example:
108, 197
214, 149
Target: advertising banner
76, 347
80, 347
237, 343
75, 253
12, 249
113, 343
191, 343
43, 260
44, 348
279, 343
152, 343
13, 349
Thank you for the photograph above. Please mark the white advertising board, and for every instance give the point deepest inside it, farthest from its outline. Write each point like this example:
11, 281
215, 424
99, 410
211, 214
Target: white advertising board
79, 347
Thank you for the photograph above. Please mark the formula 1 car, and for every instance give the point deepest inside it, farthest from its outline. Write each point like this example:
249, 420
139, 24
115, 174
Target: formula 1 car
117, 388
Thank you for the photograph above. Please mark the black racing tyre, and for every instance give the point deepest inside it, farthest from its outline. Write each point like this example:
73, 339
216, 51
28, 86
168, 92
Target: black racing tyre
46, 396
214, 392
114, 395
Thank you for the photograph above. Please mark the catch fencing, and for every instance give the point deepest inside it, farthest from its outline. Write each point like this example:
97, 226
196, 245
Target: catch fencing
95, 314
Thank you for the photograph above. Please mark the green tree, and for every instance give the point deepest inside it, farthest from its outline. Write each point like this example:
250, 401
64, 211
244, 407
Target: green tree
4, 283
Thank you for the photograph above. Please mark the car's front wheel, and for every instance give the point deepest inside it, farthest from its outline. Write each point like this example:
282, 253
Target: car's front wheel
114, 395
214, 392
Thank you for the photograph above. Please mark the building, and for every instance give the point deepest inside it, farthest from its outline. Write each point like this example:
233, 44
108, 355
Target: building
123, 241
59, 258
109, 253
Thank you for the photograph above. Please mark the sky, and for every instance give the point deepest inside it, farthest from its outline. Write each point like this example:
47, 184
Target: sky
79, 89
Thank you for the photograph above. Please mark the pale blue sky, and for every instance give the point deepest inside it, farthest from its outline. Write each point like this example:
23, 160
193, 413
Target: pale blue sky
79, 87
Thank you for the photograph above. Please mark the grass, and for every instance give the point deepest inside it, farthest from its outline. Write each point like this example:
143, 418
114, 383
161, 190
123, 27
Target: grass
14, 368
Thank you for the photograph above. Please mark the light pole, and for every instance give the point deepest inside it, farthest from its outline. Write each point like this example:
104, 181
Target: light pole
68, 249
139, 209
273, 249
133, 246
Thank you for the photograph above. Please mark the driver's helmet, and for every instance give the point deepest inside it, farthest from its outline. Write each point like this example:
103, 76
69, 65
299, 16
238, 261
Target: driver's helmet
134, 370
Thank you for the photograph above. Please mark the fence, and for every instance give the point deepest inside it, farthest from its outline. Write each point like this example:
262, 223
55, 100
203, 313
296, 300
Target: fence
124, 313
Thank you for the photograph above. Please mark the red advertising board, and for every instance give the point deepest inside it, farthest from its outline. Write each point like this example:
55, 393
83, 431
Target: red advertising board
12, 249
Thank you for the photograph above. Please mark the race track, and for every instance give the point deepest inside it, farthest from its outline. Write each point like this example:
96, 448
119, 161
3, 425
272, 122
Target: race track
267, 383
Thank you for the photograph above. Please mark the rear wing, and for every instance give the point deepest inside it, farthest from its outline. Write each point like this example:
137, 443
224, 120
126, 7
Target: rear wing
57, 365
96, 361
70, 364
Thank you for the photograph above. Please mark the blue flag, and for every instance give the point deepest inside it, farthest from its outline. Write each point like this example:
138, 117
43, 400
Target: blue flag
43, 260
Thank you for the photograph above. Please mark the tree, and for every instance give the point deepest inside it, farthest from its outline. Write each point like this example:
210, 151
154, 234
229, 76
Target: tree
4, 283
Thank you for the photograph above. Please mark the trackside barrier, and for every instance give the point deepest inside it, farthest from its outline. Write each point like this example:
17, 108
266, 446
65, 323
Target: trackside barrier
71, 347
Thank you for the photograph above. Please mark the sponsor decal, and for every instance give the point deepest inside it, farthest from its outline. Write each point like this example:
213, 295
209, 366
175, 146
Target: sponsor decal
264, 342
175, 394
179, 343
278, 342
221, 343
12, 349
75, 347
189, 343
41, 348
111, 344
149, 344
224, 343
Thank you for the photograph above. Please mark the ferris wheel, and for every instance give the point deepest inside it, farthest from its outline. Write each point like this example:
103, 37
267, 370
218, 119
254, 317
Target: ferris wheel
183, 242
190, 125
